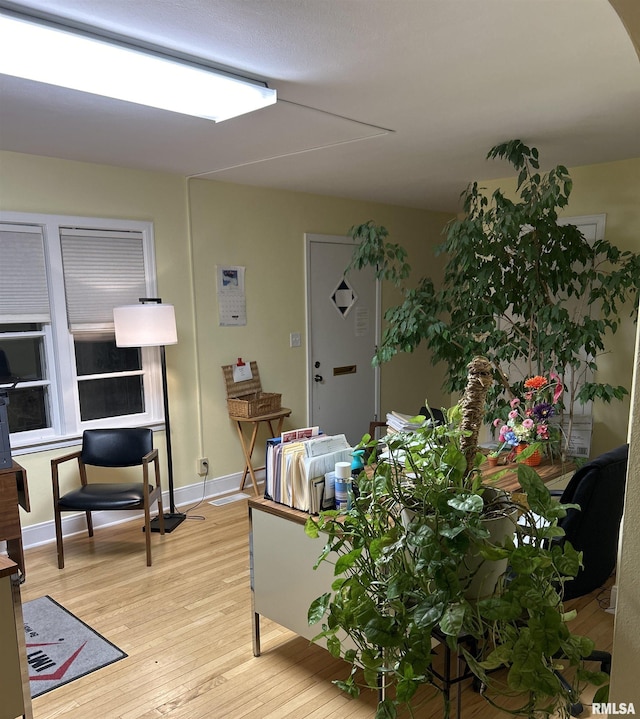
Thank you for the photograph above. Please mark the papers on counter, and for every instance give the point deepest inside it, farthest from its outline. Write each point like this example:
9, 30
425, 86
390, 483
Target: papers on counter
295, 470
399, 422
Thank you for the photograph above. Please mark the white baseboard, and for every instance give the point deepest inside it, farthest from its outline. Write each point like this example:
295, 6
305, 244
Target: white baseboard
185, 497
613, 600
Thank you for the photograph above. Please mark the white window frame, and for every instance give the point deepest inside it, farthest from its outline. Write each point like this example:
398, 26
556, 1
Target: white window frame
66, 424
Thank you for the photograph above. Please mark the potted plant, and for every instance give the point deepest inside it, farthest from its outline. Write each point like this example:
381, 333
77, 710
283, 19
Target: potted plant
409, 556
532, 295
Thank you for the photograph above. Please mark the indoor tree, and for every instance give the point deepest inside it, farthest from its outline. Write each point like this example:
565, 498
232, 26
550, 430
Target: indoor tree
532, 295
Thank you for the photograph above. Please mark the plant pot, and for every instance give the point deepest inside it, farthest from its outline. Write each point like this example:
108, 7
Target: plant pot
492, 461
487, 573
483, 575
533, 460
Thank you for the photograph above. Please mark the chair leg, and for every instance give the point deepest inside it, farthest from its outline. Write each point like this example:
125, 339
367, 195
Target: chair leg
59, 546
89, 523
147, 532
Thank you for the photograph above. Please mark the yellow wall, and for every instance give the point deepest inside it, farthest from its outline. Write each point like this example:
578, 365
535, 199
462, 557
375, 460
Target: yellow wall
263, 230
231, 224
613, 189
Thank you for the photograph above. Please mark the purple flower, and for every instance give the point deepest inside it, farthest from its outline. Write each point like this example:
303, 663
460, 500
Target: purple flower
543, 411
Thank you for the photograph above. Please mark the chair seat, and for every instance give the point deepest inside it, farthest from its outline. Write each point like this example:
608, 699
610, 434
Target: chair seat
104, 496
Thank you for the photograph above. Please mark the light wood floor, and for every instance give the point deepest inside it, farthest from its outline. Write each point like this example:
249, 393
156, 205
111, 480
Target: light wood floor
185, 623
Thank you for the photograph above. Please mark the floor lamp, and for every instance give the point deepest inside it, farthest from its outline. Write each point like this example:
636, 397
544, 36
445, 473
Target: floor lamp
152, 324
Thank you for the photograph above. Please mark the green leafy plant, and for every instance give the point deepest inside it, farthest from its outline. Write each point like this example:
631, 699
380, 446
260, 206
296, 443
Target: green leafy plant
411, 561
530, 294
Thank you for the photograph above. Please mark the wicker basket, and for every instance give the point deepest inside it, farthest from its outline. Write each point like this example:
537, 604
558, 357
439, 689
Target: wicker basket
246, 399
254, 405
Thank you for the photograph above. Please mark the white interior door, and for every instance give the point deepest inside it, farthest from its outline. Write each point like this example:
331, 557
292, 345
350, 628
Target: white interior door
343, 319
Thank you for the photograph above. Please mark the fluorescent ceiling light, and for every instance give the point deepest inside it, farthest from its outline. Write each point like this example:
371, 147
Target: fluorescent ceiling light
67, 58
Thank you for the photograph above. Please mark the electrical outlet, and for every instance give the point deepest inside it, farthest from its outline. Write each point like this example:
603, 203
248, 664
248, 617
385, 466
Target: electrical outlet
294, 339
203, 466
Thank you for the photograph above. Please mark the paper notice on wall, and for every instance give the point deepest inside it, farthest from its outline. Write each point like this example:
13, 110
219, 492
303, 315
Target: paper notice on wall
232, 307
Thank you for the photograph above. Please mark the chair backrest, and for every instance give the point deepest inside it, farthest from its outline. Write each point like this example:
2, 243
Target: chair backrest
122, 447
598, 488
432, 413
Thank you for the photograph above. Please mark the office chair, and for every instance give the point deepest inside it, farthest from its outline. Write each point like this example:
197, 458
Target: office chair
598, 488
113, 448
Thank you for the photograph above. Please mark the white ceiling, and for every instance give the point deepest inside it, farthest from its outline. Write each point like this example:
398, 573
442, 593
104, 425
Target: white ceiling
394, 101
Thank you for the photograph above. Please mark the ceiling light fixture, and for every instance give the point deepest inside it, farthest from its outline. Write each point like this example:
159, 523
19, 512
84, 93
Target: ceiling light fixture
61, 55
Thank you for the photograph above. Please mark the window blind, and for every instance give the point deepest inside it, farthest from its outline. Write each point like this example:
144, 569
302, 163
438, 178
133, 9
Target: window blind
24, 297
102, 270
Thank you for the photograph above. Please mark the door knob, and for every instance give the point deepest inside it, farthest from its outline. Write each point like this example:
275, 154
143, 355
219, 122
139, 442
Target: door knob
317, 378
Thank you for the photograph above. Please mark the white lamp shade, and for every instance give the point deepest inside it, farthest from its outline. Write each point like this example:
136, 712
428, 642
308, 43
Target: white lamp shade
145, 325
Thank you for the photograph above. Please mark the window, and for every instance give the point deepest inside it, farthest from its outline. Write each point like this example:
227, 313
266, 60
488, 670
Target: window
61, 279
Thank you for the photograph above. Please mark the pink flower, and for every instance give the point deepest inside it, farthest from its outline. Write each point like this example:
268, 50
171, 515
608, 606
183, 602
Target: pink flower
513, 414
497, 422
514, 402
527, 423
559, 388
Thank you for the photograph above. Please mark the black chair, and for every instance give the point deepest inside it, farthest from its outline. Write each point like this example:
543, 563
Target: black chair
598, 488
113, 448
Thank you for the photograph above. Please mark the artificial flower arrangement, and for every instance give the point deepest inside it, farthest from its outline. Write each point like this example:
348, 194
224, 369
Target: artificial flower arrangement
528, 420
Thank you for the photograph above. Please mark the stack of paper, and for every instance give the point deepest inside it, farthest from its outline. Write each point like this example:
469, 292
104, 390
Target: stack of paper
295, 470
398, 422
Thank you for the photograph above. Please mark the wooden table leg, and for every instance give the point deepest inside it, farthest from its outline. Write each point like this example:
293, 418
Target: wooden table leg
248, 452
248, 445
279, 430
244, 452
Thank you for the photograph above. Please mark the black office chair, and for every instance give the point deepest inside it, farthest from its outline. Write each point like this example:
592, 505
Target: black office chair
114, 448
598, 488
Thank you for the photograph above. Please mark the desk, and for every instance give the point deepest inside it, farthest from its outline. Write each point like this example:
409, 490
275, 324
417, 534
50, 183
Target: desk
548, 471
14, 491
247, 449
284, 582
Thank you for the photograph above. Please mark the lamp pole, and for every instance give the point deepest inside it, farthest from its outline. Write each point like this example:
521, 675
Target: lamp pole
152, 324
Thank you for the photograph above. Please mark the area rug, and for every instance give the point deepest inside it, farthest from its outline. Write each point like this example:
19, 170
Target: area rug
61, 647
